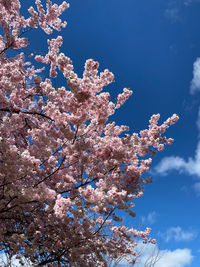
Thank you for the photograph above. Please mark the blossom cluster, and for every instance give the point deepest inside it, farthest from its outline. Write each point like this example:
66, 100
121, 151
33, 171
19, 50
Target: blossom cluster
65, 171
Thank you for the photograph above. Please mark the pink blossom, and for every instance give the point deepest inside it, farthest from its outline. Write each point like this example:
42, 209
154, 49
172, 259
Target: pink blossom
65, 169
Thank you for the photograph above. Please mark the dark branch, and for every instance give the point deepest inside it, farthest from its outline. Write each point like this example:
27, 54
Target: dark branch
100, 227
26, 112
10, 45
87, 182
52, 259
50, 173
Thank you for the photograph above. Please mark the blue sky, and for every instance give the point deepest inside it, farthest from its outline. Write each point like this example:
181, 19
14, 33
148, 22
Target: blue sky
153, 48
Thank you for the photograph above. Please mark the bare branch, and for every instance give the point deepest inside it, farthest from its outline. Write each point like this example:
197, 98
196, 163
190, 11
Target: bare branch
26, 112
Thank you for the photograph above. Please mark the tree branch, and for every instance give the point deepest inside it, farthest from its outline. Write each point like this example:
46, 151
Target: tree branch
10, 45
35, 185
87, 182
26, 112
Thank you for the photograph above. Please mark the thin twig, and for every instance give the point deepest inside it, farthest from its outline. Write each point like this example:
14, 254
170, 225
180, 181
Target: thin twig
10, 45
87, 182
26, 112
35, 185
100, 227
75, 135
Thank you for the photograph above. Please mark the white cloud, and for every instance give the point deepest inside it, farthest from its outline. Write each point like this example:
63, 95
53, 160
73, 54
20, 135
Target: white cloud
195, 83
164, 258
152, 255
175, 163
191, 166
176, 258
150, 218
171, 163
178, 234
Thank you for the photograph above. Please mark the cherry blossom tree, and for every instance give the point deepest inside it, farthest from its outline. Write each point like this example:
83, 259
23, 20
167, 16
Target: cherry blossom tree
65, 172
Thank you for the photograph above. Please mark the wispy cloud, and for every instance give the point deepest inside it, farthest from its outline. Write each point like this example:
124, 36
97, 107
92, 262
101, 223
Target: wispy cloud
151, 255
150, 218
195, 83
172, 163
178, 234
196, 187
175, 258
175, 163
189, 2
190, 166
172, 13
